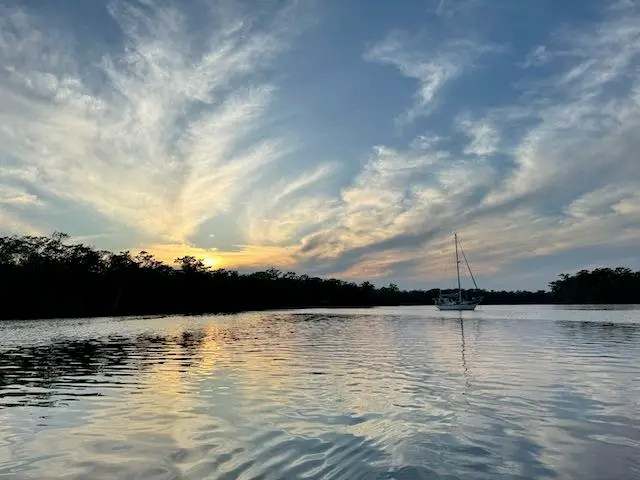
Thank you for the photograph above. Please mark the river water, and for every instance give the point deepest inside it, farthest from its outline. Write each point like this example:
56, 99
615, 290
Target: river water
504, 392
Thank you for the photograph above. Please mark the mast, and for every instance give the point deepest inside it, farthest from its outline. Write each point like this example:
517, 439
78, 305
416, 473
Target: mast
455, 237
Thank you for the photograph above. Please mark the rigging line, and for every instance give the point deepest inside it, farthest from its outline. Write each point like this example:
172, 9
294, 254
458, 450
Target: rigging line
458, 268
468, 267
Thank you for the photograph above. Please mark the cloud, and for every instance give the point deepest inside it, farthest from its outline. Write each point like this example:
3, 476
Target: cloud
588, 111
280, 214
17, 197
253, 257
433, 68
174, 127
13, 223
483, 135
160, 133
450, 8
400, 200
538, 56
565, 178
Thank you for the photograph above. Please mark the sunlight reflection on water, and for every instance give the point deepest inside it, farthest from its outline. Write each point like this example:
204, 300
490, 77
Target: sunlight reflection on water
504, 392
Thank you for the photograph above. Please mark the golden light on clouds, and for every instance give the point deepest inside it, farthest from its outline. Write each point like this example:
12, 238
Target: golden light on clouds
212, 262
184, 125
248, 256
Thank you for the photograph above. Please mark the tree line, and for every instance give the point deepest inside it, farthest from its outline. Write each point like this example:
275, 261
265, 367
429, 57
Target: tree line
46, 277
598, 286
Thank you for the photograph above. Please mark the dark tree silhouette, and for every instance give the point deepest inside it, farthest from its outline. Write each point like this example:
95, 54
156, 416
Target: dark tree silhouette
44, 277
599, 286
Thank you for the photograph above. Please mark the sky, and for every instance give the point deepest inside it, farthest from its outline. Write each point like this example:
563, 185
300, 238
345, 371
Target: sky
348, 139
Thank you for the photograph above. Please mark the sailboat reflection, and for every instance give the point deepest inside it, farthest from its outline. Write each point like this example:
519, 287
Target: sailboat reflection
465, 368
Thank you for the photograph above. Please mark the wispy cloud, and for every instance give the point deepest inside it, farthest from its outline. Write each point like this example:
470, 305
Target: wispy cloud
171, 127
483, 135
536, 57
282, 213
587, 111
160, 134
449, 8
12, 222
10, 195
565, 181
401, 201
245, 257
432, 68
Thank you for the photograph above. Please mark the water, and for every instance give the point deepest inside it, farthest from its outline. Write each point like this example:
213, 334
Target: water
507, 392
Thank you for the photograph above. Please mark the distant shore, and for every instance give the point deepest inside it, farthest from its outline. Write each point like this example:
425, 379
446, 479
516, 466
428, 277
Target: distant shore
44, 277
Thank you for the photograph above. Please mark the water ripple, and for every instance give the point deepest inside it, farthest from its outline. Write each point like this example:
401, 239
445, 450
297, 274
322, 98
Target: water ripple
405, 393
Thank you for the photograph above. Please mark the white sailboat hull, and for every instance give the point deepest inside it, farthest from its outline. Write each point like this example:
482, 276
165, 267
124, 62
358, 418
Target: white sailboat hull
453, 301
458, 306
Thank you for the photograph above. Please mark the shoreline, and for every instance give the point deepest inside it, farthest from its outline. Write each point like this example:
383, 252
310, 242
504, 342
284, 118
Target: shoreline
146, 316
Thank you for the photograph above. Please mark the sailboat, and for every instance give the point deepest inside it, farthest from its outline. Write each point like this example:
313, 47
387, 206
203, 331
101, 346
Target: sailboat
455, 301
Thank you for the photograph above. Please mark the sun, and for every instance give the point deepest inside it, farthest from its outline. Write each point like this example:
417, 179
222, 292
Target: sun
212, 262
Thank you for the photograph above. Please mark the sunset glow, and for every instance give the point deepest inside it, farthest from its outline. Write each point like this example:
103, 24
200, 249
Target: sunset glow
263, 135
212, 262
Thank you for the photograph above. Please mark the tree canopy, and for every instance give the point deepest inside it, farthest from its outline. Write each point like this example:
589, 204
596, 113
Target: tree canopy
46, 276
599, 286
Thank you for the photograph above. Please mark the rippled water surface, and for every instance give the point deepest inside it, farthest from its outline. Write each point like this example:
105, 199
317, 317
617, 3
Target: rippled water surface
503, 392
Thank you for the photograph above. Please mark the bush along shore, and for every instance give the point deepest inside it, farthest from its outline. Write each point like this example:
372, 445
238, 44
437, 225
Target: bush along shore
46, 277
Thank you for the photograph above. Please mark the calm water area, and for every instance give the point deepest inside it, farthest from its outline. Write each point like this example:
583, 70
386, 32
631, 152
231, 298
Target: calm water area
505, 392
